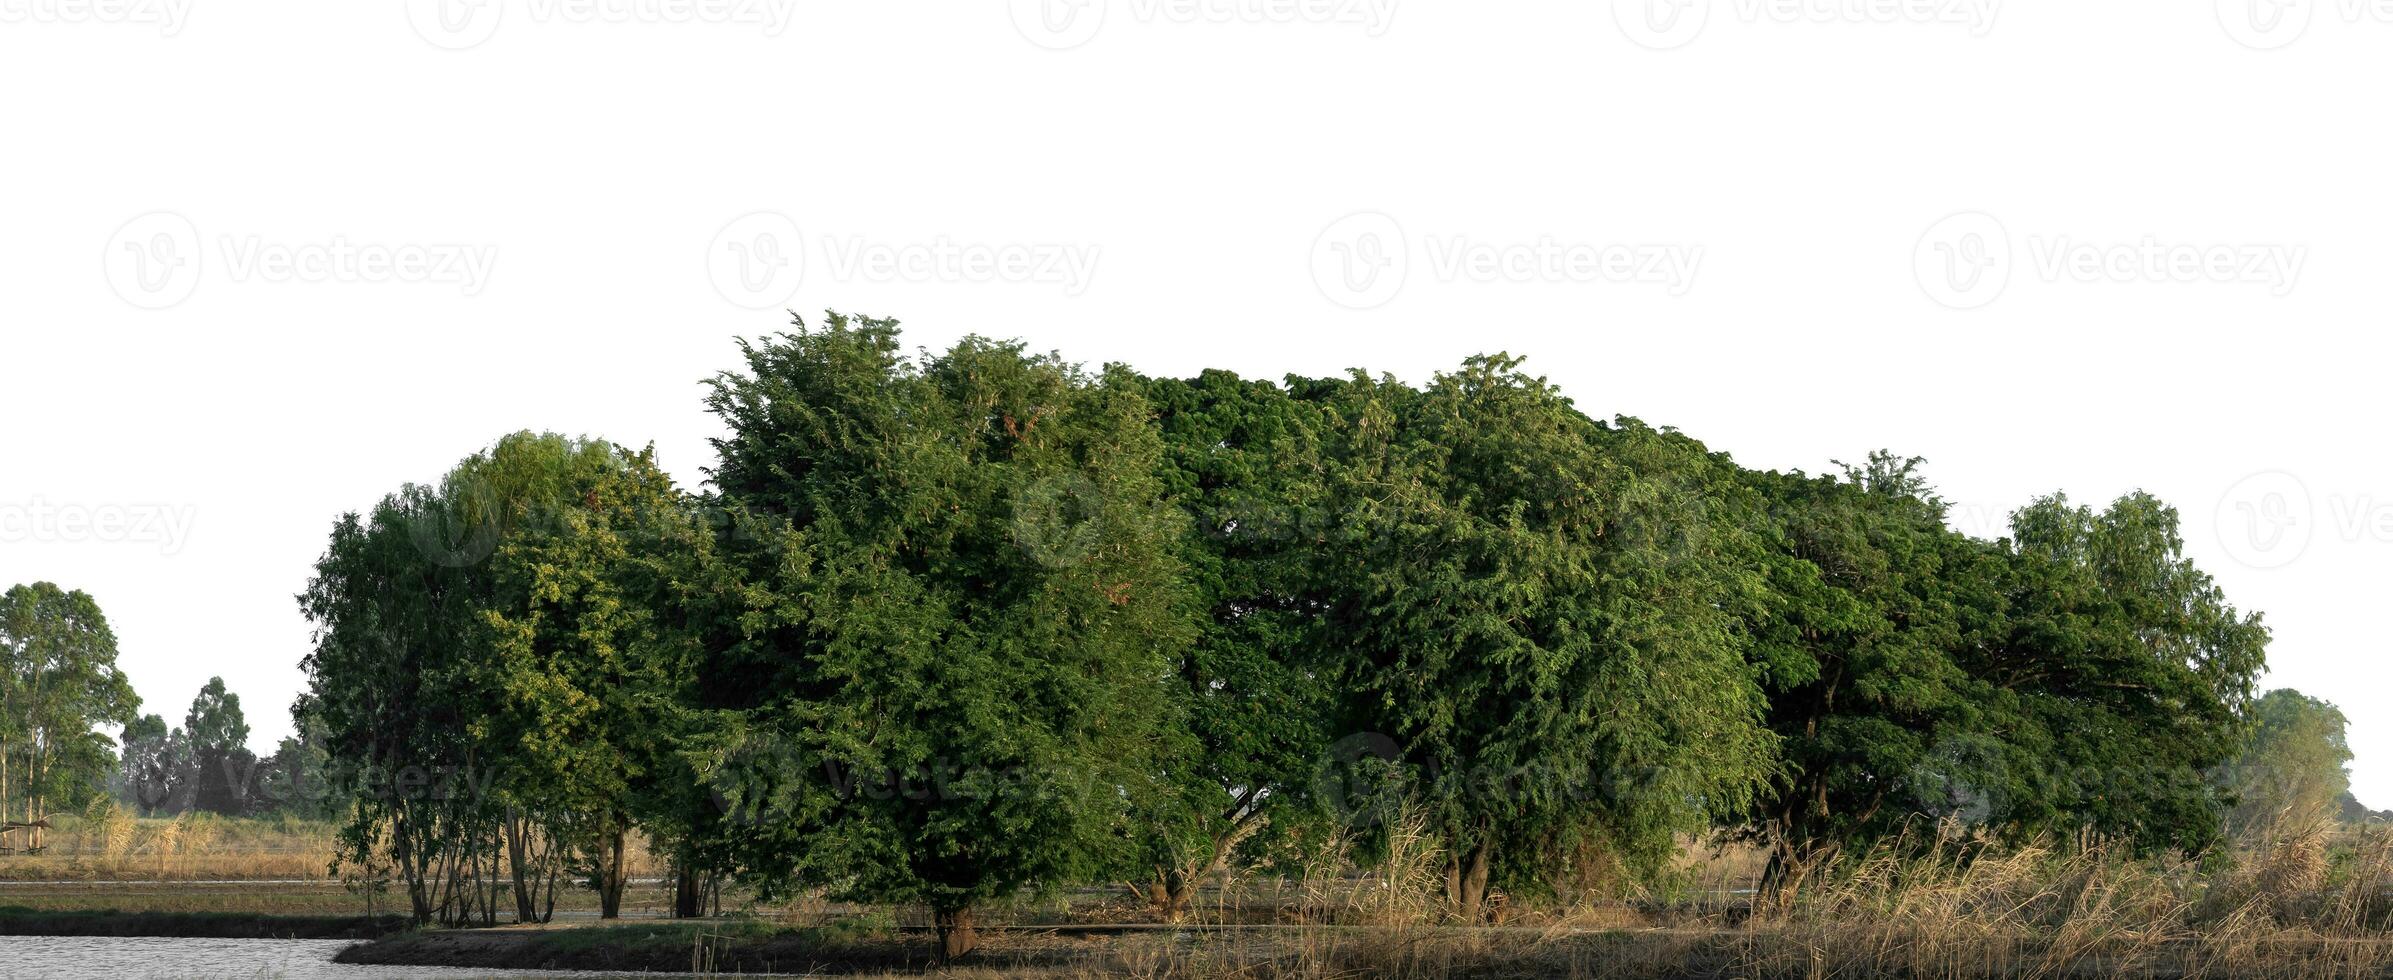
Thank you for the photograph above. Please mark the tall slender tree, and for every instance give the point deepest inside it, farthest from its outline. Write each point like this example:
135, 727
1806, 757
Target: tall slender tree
222, 765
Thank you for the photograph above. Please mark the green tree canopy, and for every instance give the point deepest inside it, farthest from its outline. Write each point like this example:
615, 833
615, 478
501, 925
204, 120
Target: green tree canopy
1242, 459
2293, 767
1541, 612
58, 683
218, 736
956, 673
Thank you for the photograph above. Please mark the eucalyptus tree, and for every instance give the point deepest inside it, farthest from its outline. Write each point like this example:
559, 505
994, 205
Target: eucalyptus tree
952, 684
223, 768
59, 681
1543, 615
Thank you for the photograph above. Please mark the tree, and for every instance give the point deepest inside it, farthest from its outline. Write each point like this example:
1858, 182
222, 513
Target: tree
218, 735
296, 779
2292, 769
1541, 613
153, 765
393, 603
2120, 677
956, 671
58, 682
1873, 599
589, 642
1242, 460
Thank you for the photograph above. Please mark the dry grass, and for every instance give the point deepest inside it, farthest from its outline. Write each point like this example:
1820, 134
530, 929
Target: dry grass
2309, 901
109, 843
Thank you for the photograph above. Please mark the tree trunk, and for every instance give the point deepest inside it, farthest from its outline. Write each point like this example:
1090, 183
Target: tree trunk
685, 889
957, 935
516, 846
1171, 894
610, 878
1466, 881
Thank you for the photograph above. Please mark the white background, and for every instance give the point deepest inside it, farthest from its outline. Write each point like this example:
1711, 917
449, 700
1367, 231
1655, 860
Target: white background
600, 159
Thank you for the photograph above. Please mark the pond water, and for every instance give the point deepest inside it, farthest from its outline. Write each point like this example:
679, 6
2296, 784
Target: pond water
89, 958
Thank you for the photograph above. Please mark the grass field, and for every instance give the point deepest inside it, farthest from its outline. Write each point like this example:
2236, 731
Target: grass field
2312, 905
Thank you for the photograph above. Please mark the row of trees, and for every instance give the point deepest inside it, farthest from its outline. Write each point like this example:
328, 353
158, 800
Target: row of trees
61, 690
205, 765
948, 627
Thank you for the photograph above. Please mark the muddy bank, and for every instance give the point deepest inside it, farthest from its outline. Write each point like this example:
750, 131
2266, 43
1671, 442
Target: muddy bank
715, 947
21, 921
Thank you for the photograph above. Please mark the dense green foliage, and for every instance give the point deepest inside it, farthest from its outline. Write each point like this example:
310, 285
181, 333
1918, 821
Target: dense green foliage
58, 679
2292, 767
958, 658
955, 626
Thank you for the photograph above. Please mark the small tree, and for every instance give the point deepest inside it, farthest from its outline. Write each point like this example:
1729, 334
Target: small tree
223, 766
2293, 767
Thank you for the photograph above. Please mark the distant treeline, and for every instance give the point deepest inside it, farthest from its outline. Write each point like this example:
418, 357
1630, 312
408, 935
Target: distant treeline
943, 628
